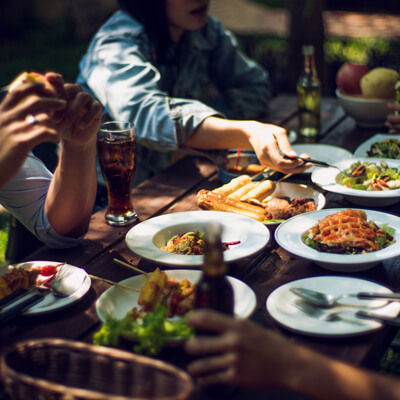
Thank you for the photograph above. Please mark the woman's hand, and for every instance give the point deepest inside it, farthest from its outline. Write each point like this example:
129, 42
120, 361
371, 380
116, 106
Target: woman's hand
393, 120
25, 121
80, 121
241, 353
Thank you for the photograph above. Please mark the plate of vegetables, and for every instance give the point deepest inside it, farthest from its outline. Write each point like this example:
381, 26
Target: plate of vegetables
362, 181
380, 146
152, 314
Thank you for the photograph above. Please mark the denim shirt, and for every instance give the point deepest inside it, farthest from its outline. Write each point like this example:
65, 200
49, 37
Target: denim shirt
24, 197
209, 76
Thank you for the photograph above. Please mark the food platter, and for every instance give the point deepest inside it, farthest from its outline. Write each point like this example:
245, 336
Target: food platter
289, 235
146, 238
326, 178
361, 150
323, 152
117, 301
51, 303
281, 305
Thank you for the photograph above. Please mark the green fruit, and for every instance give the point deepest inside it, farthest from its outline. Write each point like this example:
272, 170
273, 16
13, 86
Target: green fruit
379, 83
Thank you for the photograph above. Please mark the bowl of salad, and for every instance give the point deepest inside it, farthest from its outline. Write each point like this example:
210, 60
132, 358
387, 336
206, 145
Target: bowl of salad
362, 181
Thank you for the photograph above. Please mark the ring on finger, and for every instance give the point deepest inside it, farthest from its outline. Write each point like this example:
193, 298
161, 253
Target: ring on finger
32, 120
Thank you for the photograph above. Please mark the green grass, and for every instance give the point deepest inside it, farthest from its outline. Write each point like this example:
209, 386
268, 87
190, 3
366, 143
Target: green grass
3, 235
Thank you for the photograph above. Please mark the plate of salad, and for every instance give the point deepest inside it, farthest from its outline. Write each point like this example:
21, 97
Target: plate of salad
153, 318
378, 185
380, 146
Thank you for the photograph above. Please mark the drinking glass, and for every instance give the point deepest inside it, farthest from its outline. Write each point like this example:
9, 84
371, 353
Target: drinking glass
116, 150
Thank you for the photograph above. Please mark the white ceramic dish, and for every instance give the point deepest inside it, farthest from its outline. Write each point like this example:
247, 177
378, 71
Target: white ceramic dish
281, 306
147, 238
323, 152
326, 179
289, 235
117, 301
50, 302
361, 150
368, 113
295, 190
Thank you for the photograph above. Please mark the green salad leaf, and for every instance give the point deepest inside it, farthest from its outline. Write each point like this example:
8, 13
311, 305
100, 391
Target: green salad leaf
148, 329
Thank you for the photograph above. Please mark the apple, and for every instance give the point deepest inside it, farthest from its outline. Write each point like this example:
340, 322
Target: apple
31, 77
348, 77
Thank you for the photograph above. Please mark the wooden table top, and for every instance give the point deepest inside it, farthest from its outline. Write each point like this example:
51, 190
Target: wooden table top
174, 190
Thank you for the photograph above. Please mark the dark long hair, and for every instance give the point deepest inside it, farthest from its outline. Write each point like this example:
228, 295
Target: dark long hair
152, 15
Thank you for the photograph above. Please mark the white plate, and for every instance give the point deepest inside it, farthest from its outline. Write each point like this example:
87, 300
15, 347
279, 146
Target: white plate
147, 238
326, 179
281, 306
117, 301
52, 303
295, 190
361, 150
290, 233
323, 152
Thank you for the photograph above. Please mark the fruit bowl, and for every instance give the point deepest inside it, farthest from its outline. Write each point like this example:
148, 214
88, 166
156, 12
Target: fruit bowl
368, 113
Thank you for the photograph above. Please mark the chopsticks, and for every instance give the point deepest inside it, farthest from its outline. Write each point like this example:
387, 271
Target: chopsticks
131, 267
114, 283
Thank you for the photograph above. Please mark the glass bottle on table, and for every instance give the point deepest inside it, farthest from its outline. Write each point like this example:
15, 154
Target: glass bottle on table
214, 289
309, 96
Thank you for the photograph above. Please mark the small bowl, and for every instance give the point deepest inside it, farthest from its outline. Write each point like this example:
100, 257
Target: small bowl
245, 158
368, 113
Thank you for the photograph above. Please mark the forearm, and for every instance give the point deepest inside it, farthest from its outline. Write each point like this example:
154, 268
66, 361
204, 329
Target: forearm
72, 192
319, 377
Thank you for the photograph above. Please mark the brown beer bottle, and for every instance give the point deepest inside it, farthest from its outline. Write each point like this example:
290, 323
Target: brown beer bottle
214, 289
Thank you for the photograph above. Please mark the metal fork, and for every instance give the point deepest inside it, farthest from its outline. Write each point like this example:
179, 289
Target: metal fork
346, 315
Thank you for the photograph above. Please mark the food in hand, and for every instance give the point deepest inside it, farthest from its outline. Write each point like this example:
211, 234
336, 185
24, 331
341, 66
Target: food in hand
31, 77
348, 232
370, 176
388, 148
348, 78
379, 83
177, 297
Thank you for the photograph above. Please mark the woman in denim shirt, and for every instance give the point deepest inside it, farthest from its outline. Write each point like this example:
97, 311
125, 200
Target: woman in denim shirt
178, 75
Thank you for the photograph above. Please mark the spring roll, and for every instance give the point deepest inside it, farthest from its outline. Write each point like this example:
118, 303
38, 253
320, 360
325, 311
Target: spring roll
233, 185
263, 189
243, 190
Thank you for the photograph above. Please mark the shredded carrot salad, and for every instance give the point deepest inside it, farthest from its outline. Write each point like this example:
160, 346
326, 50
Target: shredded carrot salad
348, 232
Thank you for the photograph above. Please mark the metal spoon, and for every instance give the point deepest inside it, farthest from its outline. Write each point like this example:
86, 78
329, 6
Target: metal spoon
327, 300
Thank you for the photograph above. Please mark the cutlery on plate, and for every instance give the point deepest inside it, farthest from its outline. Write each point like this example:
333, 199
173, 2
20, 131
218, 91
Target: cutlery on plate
328, 300
346, 315
63, 284
123, 263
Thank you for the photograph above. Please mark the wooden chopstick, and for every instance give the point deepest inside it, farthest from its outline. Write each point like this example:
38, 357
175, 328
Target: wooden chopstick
264, 171
115, 283
131, 267
284, 177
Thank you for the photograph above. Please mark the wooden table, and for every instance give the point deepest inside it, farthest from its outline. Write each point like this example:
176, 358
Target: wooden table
174, 190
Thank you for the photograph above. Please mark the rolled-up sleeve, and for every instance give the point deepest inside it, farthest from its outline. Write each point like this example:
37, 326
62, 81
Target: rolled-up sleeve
24, 197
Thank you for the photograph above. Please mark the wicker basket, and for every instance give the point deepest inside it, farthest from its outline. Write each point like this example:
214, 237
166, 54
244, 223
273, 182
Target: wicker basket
56, 369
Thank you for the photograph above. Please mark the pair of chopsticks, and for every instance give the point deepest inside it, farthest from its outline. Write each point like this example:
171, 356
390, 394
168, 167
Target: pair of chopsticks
120, 284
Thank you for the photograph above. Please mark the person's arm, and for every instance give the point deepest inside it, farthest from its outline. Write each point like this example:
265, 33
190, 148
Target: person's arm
244, 86
72, 192
245, 354
268, 141
19, 134
393, 120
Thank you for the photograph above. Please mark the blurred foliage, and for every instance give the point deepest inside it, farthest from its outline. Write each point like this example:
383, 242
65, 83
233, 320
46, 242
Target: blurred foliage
4, 216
